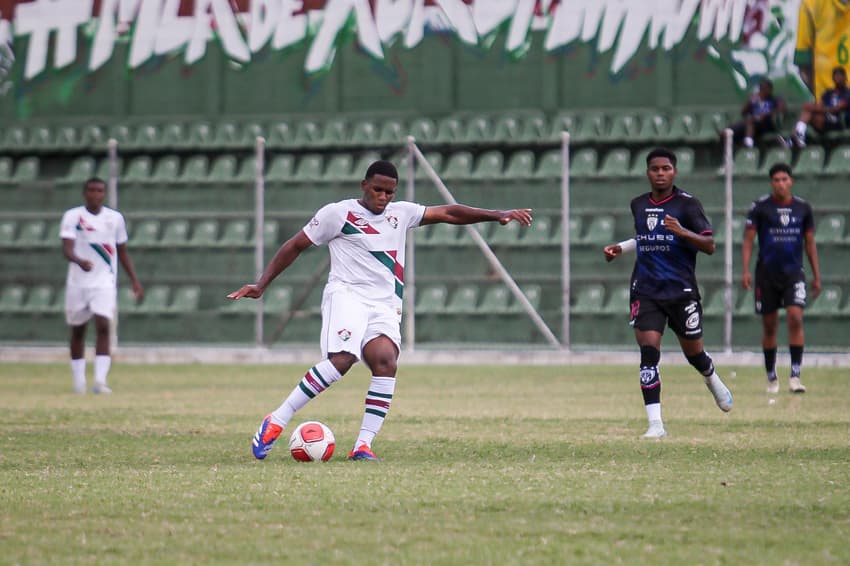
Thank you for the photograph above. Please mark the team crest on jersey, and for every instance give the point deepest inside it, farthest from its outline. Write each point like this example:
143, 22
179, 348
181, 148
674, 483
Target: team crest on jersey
784, 218
344, 335
393, 220
651, 222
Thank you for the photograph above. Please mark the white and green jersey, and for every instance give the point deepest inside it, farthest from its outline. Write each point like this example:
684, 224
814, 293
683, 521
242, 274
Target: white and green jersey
96, 239
367, 250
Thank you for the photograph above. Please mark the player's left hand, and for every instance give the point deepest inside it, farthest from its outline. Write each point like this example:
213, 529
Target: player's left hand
521, 215
673, 226
250, 291
816, 287
138, 291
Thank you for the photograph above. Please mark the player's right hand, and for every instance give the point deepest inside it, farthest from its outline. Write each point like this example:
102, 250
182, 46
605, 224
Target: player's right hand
746, 280
250, 291
85, 264
612, 251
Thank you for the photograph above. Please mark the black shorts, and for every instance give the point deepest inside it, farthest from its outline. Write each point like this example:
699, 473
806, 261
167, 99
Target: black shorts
761, 127
773, 292
683, 317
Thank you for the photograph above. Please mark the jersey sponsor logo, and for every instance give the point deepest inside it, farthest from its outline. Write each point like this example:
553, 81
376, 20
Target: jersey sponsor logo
356, 224
692, 322
800, 292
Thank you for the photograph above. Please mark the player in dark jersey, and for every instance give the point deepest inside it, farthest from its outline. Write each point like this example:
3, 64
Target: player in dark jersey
670, 228
785, 226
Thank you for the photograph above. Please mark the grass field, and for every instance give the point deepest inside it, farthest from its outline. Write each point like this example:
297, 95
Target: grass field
480, 465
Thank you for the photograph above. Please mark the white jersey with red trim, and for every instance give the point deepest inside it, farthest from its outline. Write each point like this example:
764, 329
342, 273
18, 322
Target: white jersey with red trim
367, 250
96, 239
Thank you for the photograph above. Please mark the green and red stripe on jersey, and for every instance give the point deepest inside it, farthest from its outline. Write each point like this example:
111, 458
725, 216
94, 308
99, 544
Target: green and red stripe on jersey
390, 261
357, 225
105, 251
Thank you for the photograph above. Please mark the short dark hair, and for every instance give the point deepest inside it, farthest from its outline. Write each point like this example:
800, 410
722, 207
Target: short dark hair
93, 180
839, 71
661, 152
779, 168
382, 167
766, 82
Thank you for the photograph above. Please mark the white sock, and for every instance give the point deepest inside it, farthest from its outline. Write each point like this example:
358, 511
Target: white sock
800, 128
653, 412
78, 372
317, 379
748, 142
378, 400
101, 368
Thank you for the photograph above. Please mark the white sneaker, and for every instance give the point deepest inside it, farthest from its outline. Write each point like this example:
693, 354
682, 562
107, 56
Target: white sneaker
773, 386
80, 388
722, 395
795, 386
655, 430
101, 389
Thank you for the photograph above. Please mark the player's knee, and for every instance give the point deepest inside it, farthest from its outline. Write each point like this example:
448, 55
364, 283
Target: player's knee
384, 365
342, 361
702, 363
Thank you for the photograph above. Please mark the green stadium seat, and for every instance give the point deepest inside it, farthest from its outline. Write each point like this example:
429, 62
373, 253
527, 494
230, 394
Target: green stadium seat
139, 170
198, 137
166, 170
364, 133
32, 233
247, 172
450, 130
432, 299
490, 165
334, 133
82, 168
40, 139
495, 300
589, 299
520, 165
443, 235
533, 293
67, 139
281, 135
226, 136
483, 229
58, 304
122, 134
204, 234
600, 231
146, 233
839, 161
147, 137
236, 233
340, 168
8, 230
684, 160
127, 300
459, 166
746, 303
464, 299
173, 136
810, 161
392, 133
507, 129
104, 168
683, 126
271, 231
281, 168
277, 300
583, 163
308, 133
26, 170
624, 128
15, 138
746, 162
592, 127
434, 159
195, 170
738, 226
249, 133
507, 235
538, 234
7, 166
653, 126
39, 299
310, 168
638, 168
615, 163
223, 169
358, 170
830, 229
711, 123
535, 130
12, 298
155, 300
563, 122
773, 156
185, 299
715, 303
93, 137
478, 130
549, 166
828, 303
424, 130
618, 301
175, 233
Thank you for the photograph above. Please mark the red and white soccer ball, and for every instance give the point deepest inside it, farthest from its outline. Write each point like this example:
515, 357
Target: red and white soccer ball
312, 441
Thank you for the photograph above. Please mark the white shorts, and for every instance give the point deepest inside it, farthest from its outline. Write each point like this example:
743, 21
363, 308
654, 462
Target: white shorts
83, 302
349, 322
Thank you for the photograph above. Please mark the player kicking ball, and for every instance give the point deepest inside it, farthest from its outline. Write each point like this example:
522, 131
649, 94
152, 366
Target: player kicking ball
670, 228
361, 304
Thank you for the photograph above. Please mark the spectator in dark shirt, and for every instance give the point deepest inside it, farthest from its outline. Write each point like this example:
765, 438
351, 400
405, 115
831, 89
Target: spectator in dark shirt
760, 115
830, 114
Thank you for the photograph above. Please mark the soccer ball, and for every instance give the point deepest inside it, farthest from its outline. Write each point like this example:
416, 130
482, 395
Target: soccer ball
312, 441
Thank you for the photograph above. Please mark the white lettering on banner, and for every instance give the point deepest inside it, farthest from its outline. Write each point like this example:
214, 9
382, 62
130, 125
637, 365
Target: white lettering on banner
619, 26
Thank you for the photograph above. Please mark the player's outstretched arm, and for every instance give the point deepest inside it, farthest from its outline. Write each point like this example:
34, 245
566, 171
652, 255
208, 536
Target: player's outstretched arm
614, 250
462, 214
283, 258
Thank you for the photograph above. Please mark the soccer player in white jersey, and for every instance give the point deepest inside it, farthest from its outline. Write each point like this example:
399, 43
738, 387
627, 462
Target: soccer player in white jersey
94, 239
361, 305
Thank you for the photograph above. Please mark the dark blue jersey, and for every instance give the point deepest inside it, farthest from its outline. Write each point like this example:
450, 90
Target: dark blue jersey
834, 97
781, 230
758, 107
664, 268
